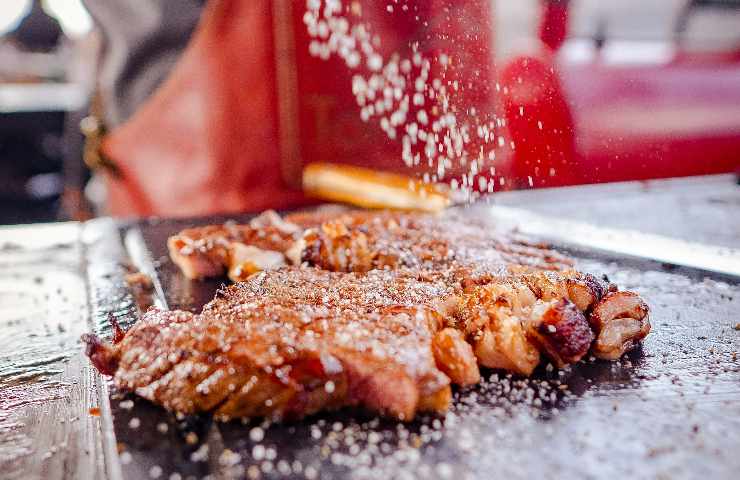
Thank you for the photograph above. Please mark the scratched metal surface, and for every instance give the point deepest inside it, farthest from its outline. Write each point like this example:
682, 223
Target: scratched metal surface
669, 410
46, 384
698, 209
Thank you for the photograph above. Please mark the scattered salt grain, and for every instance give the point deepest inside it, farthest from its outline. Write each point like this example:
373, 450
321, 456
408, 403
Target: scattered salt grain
155, 471
258, 452
256, 434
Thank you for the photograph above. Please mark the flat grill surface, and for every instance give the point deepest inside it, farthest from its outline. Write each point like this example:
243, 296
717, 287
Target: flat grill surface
670, 409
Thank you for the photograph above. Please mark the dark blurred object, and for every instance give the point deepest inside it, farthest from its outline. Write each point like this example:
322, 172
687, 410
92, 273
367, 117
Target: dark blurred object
30, 166
36, 51
32, 147
75, 204
38, 31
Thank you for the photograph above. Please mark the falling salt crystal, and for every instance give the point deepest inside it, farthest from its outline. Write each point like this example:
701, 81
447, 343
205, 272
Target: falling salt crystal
258, 452
387, 94
375, 62
444, 470
200, 455
253, 472
229, 458
134, 423
310, 472
191, 438
256, 434
329, 387
270, 453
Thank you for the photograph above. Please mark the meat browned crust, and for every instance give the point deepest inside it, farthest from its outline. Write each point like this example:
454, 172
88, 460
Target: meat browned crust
561, 330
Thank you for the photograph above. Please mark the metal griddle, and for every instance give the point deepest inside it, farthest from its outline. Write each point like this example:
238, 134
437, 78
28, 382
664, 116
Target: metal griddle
668, 410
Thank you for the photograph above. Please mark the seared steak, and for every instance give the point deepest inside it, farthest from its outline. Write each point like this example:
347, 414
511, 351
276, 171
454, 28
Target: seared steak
288, 343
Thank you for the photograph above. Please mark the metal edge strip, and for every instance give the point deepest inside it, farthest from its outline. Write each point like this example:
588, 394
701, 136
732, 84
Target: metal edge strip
649, 246
139, 254
93, 233
108, 435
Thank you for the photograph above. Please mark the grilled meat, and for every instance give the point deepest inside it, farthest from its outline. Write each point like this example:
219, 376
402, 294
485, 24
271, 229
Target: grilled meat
561, 331
464, 253
455, 357
214, 250
515, 318
355, 241
509, 326
294, 341
386, 311
620, 320
288, 343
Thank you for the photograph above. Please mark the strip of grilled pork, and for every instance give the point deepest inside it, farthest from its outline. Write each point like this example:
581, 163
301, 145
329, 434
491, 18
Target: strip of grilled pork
353, 241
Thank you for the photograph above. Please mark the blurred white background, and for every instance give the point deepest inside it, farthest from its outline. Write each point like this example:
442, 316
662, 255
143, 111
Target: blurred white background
639, 24
70, 13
